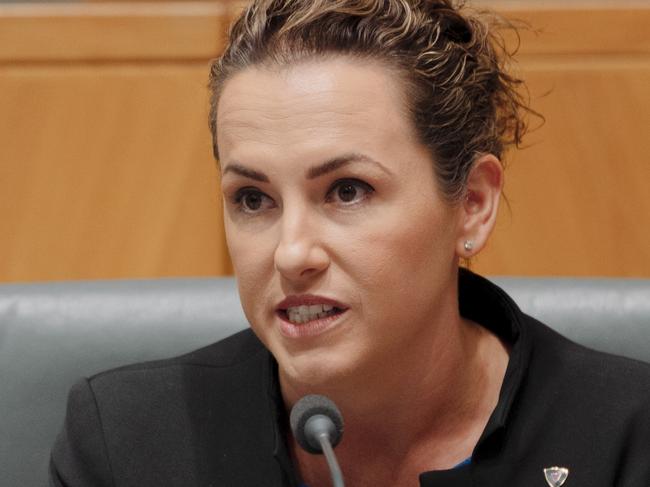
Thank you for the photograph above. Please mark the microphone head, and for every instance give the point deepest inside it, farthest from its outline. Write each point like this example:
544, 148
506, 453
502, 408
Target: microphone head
312, 416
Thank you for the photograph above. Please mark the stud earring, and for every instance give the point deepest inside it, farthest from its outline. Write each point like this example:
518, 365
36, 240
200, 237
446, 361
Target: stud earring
468, 245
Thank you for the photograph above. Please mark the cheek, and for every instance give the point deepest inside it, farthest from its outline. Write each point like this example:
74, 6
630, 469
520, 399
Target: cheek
400, 264
250, 261
247, 246
397, 248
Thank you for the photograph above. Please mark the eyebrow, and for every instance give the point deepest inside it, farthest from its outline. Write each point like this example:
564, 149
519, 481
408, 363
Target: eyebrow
341, 161
314, 172
246, 172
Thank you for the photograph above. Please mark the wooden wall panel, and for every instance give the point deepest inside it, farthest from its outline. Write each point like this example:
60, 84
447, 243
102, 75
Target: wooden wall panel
108, 31
578, 197
579, 202
106, 170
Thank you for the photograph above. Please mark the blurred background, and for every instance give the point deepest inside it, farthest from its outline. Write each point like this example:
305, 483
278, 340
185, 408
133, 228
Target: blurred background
106, 168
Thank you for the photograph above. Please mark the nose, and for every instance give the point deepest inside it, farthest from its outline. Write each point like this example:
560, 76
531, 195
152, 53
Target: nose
300, 254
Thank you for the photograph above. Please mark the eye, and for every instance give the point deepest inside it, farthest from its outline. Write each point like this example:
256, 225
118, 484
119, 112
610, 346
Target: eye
252, 200
349, 192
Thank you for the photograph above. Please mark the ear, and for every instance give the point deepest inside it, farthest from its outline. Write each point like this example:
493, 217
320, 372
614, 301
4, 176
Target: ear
478, 211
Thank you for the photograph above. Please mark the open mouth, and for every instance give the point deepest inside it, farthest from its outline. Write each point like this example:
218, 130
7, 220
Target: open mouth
298, 315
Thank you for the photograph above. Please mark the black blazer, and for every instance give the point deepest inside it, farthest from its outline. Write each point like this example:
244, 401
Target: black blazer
215, 417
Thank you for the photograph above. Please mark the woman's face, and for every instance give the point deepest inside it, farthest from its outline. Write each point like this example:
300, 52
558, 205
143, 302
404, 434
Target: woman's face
331, 203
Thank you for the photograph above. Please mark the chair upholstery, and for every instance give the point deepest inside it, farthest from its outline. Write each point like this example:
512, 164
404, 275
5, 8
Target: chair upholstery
51, 334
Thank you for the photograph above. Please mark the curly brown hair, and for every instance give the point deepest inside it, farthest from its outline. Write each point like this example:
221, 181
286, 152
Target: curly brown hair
453, 61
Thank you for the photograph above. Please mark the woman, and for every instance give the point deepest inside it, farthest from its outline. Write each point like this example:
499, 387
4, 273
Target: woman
359, 144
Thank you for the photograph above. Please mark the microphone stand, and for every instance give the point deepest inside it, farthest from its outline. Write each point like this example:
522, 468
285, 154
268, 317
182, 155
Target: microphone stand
328, 451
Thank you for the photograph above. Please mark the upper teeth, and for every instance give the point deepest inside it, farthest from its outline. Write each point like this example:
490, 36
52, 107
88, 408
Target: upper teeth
301, 314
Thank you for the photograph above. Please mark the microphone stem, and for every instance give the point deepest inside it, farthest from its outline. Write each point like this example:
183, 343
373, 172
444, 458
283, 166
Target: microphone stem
335, 470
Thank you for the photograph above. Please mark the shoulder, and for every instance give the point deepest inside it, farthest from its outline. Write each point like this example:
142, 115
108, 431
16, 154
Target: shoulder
149, 420
549, 364
590, 386
582, 408
158, 384
240, 357
583, 366
236, 351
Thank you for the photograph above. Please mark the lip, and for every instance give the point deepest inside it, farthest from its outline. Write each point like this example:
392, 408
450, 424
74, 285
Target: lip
306, 300
311, 328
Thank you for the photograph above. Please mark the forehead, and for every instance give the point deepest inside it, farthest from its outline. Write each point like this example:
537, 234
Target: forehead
338, 99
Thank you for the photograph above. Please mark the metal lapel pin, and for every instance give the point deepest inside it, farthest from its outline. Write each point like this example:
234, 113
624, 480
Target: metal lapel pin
556, 476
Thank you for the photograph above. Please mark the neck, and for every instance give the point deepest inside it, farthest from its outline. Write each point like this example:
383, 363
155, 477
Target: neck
426, 411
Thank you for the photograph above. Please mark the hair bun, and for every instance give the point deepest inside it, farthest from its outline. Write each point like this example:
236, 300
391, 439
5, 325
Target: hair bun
452, 24
455, 27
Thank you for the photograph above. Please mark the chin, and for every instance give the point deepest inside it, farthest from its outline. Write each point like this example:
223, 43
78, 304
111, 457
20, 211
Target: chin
314, 370
317, 363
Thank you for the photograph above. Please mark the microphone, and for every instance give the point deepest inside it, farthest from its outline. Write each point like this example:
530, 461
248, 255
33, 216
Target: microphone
317, 425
